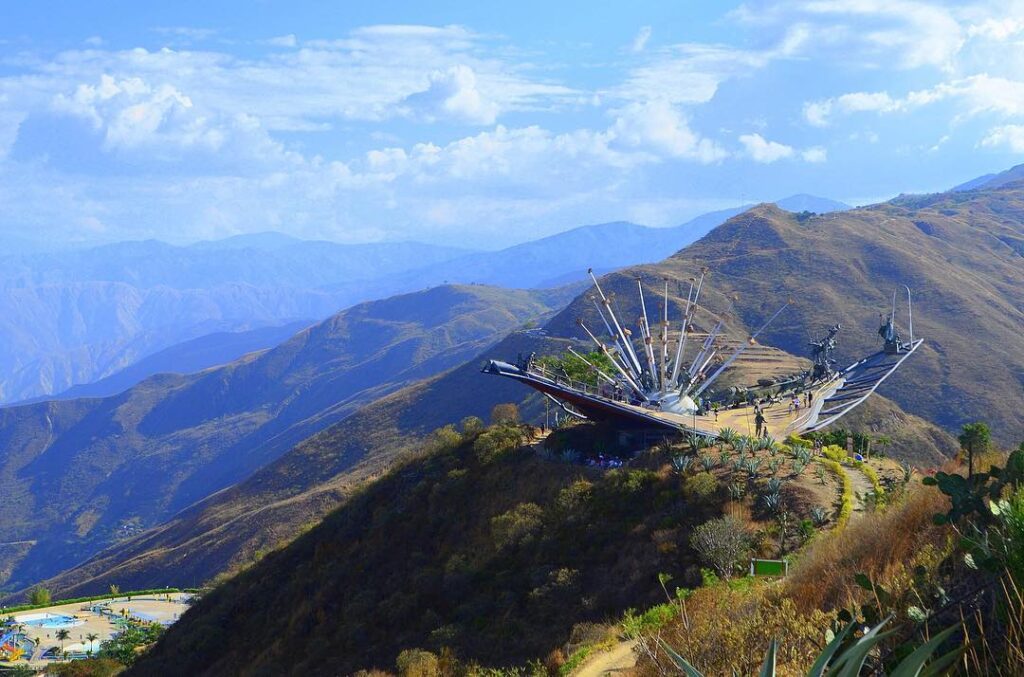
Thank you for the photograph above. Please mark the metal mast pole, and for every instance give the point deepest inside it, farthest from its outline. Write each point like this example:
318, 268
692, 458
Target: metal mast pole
618, 327
739, 351
645, 334
682, 337
623, 372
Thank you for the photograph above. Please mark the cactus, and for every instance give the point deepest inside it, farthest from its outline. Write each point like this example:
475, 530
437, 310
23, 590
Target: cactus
728, 436
681, 463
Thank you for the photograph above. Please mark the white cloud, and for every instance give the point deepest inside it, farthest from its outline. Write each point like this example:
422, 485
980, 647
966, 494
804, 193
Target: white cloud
283, 41
999, 29
814, 154
977, 94
453, 94
904, 33
761, 150
1005, 136
688, 73
640, 41
659, 127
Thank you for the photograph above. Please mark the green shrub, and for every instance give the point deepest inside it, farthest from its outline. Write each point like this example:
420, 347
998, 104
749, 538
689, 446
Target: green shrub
39, 596
836, 453
417, 663
497, 442
518, 525
700, 486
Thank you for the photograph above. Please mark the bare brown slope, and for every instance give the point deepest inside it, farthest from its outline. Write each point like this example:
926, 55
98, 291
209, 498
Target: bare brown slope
80, 475
961, 254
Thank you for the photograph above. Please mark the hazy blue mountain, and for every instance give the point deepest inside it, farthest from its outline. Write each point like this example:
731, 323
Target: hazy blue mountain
188, 357
73, 317
803, 202
560, 258
1015, 173
79, 475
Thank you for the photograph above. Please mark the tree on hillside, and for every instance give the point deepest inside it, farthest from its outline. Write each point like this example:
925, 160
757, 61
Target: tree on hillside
505, 414
975, 438
721, 543
39, 596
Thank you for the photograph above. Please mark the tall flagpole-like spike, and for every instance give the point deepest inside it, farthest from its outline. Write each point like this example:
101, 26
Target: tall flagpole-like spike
604, 349
664, 344
645, 334
739, 351
627, 344
678, 363
691, 309
615, 337
700, 359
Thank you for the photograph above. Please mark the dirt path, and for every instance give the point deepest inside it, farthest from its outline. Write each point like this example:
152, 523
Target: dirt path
619, 659
861, 486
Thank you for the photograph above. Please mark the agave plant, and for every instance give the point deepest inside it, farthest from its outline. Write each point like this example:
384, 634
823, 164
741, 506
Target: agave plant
696, 442
736, 491
723, 458
819, 472
773, 502
774, 486
744, 443
803, 455
774, 465
682, 463
819, 516
798, 467
707, 462
849, 661
728, 436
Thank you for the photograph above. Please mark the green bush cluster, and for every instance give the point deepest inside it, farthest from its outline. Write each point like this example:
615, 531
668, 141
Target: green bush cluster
700, 486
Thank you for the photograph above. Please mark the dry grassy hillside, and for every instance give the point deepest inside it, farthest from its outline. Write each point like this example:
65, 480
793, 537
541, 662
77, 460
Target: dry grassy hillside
961, 253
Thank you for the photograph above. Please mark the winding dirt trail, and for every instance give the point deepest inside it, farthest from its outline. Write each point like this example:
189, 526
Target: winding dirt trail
861, 486
615, 661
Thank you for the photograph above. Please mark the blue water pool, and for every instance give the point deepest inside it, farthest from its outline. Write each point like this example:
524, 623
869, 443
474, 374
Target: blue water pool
47, 620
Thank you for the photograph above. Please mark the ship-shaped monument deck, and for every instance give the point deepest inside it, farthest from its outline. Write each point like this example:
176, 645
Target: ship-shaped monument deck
818, 398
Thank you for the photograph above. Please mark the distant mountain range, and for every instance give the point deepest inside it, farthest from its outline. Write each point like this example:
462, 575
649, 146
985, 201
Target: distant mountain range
79, 475
73, 317
961, 252
1015, 173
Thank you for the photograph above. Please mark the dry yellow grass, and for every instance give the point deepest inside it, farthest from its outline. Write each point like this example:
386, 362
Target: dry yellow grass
884, 545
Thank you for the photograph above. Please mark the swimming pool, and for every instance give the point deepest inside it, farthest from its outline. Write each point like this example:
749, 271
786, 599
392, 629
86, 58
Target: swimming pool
47, 620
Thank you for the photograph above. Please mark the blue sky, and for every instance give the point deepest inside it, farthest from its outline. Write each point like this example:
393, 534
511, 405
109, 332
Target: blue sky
465, 123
